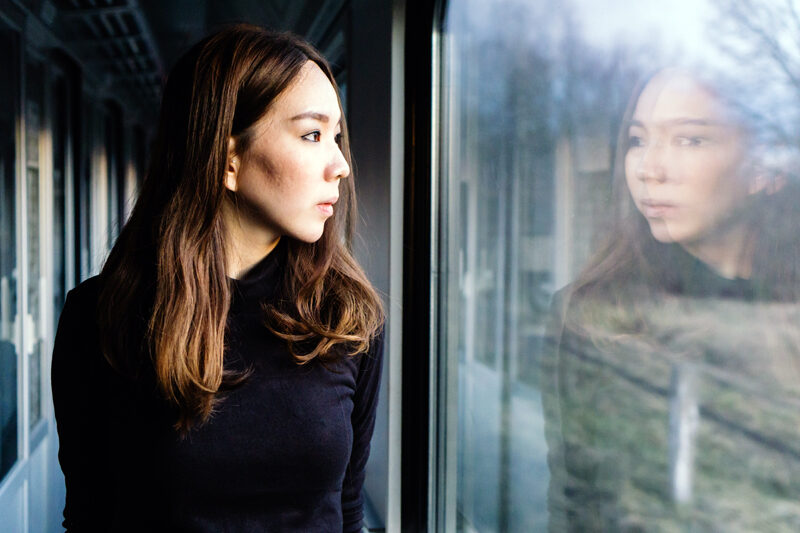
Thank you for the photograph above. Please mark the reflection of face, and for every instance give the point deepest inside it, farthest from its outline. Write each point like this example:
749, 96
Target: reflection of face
685, 162
289, 178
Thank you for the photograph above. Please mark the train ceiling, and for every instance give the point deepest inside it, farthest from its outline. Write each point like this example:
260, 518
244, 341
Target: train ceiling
127, 46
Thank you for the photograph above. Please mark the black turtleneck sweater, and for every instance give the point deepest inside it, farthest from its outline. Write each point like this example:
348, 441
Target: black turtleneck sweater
284, 451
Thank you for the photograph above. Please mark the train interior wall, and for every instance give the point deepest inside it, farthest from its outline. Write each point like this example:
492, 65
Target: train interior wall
77, 115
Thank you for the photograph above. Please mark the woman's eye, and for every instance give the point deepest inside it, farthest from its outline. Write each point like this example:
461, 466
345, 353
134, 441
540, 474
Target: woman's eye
314, 136
691, 141
338, 139
634, 141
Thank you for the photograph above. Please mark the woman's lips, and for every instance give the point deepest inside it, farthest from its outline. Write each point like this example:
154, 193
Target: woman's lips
657, 208
326, 207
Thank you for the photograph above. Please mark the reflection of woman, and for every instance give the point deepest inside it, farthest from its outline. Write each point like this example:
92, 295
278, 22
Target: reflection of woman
675, 353
229, 381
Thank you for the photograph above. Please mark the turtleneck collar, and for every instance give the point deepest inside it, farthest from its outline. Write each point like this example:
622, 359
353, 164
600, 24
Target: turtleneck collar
261, 281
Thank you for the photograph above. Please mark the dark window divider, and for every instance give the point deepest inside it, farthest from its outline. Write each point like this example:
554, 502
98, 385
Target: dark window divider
421, 16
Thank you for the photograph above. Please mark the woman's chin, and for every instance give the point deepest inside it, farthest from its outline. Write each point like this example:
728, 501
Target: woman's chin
661, 232
308, 237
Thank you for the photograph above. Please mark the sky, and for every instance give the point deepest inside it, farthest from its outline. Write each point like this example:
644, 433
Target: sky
674, 26
679, 25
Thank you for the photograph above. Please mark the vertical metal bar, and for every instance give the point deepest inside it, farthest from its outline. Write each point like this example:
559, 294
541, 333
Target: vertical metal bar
564, 213
21, 340
395, 311
22, 263
684, 418
69, 185
417, 271
510, 333
449, 320
46, 237
436, 411
501, 339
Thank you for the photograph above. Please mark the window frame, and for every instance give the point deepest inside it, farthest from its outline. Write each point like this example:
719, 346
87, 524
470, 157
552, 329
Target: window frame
422, 487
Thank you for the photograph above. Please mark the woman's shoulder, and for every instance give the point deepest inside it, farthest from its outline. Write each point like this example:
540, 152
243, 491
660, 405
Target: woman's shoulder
85, 293
77, 338
79, 314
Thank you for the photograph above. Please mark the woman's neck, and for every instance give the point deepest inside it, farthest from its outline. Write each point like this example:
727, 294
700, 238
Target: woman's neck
245, 246
728, 252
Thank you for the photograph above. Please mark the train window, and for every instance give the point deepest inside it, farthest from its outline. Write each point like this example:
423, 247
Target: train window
84, 202
35, 145
9, 269
114, 170
618, 199
62, 174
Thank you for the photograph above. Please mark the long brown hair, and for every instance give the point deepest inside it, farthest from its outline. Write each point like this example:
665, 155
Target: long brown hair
165, 295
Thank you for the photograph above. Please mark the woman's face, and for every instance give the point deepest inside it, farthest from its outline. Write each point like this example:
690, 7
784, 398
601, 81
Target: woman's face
686, 165
288, 180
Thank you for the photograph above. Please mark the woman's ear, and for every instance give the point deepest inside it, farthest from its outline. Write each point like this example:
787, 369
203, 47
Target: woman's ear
232, 168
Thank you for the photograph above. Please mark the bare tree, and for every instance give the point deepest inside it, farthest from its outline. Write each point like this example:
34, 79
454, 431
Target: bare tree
761, 39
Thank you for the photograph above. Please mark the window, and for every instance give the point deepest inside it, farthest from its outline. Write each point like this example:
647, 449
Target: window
617, 242
9, 267
35, 158
62, 179
115, 170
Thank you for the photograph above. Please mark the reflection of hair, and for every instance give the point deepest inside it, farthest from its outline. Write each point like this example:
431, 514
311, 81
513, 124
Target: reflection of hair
632, 266
623, 256
164, 285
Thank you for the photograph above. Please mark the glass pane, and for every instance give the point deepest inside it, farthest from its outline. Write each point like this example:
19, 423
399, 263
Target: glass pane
60, 128
8, 260
83, 204
111, 137
622, 264
34, 118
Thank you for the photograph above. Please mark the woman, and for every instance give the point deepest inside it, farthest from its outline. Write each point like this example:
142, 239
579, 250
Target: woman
676, 351
222, 372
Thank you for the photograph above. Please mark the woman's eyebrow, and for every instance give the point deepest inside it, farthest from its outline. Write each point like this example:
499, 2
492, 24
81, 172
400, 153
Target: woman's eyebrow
681, 121
688, 121
312, 114
322, 117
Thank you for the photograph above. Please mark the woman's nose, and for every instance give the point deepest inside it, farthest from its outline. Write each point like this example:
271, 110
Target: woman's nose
652, 164
338, 167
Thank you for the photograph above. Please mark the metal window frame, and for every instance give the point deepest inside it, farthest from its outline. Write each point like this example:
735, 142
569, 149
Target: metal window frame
16, 487
10, 481
422, 479
39, 431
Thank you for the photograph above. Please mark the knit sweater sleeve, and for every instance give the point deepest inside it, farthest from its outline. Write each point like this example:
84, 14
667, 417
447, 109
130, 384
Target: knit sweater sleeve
365, 402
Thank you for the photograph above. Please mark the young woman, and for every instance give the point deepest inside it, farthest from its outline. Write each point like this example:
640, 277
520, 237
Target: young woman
222, 372
676, 352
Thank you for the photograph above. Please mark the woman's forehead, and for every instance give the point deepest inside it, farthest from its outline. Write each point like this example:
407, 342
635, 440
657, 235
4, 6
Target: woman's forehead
310, 93
675, 97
